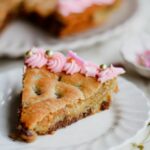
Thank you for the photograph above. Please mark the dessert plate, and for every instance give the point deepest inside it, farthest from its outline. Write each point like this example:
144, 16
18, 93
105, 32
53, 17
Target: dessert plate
20, 36
106, 130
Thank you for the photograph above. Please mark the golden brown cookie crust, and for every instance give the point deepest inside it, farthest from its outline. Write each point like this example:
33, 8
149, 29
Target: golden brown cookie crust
51, 101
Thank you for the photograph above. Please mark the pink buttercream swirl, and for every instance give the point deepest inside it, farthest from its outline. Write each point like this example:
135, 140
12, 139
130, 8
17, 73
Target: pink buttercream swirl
37, 59
73, 64
65, 7
56, 62
74, 56
110, 73
71, 67
90, 69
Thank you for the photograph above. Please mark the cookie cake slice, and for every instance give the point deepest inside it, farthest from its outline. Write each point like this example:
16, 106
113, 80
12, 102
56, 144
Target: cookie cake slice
68, 17
59, 90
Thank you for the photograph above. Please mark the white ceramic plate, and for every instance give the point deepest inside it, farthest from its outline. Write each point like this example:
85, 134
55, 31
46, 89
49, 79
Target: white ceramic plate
20, 36
103, 131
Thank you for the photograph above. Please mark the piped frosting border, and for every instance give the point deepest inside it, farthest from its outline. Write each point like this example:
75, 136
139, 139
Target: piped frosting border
57, 63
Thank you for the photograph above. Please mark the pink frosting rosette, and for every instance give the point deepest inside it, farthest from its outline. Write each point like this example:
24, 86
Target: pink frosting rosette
37, 58
73, 64
110, 73
71, 67
56, 62
74, 56
90, 69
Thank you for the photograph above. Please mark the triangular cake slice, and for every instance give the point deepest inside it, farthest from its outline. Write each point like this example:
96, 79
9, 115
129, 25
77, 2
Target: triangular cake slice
59, 90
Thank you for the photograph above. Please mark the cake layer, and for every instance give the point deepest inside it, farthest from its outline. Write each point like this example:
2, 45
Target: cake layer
95, 103
30, 136
47, 116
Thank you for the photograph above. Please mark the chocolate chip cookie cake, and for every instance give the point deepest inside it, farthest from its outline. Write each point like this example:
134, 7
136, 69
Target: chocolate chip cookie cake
59, 90
59, 17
